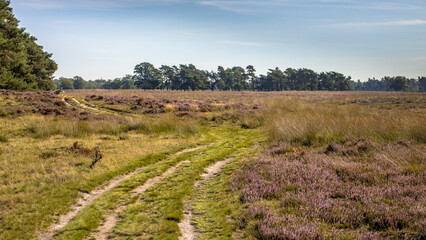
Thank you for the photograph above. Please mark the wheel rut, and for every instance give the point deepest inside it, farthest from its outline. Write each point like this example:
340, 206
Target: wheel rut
111, 219
187, 229
88, 198
83, 105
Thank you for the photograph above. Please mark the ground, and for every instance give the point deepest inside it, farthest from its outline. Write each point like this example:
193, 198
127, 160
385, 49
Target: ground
134, 164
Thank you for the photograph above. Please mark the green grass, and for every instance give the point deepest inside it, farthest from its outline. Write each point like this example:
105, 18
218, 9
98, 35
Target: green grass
90, 217
215, 207
228, 140
161, 208
38, 182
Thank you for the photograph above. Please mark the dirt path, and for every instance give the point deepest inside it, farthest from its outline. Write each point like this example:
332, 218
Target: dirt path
187, 229
193, 149
112, 218
87, 199
66, 103
83, 105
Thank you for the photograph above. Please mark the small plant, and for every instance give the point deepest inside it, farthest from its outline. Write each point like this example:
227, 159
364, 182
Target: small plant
97, 156
3, 138
123, 137
48, 154
94, 153
169, 108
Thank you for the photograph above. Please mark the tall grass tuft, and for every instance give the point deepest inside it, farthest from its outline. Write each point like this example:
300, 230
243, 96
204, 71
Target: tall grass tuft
316, 123
162, 125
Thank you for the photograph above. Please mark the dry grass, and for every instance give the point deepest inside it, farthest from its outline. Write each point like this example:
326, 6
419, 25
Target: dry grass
312, 123
349, 167
358, 139
167, 124
39, 178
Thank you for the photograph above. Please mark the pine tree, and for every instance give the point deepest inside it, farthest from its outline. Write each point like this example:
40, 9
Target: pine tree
23, 63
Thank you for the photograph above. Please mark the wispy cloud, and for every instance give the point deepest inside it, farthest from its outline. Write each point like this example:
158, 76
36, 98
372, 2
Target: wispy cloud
255, 5
377, 24
236, 6
90, 4
239, 6
252, 6
241, 43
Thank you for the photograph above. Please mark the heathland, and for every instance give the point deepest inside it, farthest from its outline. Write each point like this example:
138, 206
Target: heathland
135, 164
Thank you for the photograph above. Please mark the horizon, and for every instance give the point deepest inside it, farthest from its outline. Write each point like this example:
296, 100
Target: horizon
106, 39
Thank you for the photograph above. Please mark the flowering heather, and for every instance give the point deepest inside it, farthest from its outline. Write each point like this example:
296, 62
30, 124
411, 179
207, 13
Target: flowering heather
155, 105
353, 190
16, 104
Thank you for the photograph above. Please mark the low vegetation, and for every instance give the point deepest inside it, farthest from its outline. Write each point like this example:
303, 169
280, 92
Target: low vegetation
334, 170
304, 165
133, 164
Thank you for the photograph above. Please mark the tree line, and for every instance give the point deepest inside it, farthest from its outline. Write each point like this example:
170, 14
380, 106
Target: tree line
188, 77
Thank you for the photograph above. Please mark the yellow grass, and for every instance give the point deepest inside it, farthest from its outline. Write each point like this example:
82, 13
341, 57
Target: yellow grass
296, 120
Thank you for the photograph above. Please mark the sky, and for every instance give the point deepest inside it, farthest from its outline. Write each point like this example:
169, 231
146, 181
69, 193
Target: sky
106, 38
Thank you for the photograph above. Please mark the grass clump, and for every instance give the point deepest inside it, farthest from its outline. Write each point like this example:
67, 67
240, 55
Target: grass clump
3, 138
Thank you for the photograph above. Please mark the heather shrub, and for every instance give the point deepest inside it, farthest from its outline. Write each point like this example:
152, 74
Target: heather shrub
357, 189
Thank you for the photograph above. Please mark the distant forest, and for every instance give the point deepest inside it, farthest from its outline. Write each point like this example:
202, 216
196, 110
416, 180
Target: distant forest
188, 77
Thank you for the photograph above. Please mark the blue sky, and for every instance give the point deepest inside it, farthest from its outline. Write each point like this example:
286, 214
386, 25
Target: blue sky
107, 38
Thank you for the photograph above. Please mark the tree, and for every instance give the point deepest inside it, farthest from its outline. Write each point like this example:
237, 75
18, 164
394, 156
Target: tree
23, 63
147, 76
326, 81
127, 82
225, 76
413, 85
399, 83
277, 79
341, 82
422, 84
305, 79
78, 82
192, 78
113, 84
66, 83
213, 79
168, 74
239, 79
252, 78
290, 74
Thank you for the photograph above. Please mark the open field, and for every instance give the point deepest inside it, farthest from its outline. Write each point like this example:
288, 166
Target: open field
135, 164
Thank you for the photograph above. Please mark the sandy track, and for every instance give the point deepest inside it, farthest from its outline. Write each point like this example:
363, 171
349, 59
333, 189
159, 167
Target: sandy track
187, 229
83, 105
87, 199
111, 219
